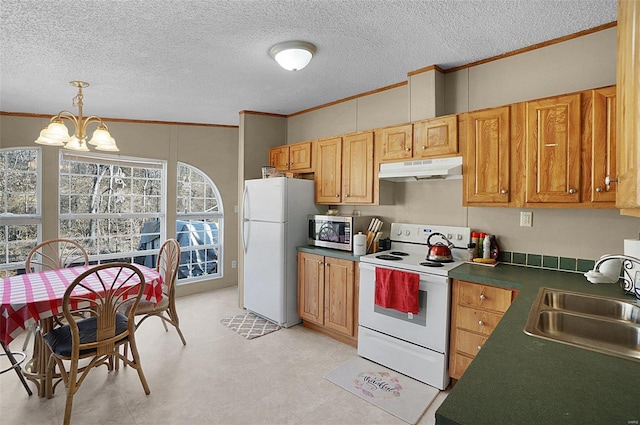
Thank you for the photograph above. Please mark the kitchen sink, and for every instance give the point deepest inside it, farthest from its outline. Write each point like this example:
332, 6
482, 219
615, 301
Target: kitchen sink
606, 325
611, 308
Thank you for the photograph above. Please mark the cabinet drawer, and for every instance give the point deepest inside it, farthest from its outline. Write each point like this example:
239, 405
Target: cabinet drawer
483, 296
469, 343
475, 320
458, 364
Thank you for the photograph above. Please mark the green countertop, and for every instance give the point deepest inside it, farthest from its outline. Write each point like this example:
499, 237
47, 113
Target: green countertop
335, 253
521, 379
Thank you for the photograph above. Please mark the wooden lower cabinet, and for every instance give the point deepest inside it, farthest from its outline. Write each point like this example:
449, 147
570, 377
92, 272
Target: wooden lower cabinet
328, 296
475, 313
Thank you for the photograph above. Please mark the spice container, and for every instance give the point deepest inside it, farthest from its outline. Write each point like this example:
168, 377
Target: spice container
475, 236
471, 251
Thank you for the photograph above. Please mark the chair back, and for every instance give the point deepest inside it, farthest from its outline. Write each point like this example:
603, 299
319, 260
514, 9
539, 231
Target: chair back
56, 254
98, 293
167, 265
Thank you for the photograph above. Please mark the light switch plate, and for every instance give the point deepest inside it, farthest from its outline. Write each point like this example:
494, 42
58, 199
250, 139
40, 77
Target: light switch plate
526, 218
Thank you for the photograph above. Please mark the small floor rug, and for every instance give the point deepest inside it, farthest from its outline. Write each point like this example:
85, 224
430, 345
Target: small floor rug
397, 394
249, 325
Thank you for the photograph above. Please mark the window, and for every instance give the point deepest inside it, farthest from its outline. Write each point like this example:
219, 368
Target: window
19, 207
105, 202
199, 224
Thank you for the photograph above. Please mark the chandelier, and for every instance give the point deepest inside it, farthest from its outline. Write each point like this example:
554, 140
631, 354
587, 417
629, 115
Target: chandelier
57, 134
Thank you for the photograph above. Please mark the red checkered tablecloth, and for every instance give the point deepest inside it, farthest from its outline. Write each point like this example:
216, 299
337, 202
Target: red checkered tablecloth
30, 297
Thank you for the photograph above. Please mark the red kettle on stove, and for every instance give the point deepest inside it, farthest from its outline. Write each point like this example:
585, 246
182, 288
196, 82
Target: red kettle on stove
439, 251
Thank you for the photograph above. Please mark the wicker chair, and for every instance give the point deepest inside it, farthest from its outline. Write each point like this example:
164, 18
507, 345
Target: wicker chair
15, 364
99, 336
50, 255
167, 265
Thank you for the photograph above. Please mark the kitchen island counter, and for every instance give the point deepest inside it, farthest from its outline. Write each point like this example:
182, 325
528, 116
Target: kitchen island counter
521, 379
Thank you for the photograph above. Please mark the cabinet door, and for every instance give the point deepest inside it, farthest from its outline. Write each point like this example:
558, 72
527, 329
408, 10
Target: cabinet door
279, 158
628, 106
328, 175
395, 143
311, 287
300, 156
357, 168
487, 157
435, 137
603, 160
338, 295
553, 149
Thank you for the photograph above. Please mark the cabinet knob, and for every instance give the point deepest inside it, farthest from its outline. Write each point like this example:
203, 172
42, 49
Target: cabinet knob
480, 322
319, 262
598, 189
504, 191
608, 180
479, 347
337, 195
572, 191
482, 296
407, 149
424, 147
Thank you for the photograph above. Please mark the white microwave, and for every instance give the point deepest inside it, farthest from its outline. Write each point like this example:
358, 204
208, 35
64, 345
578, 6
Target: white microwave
335, 231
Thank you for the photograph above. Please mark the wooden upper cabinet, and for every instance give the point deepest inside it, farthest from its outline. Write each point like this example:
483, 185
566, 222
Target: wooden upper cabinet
300, 156
295, 157
435, 137
395, 143
357, 168
487, 156
628, 107
279, 158
603, 160
553, 146
328, 171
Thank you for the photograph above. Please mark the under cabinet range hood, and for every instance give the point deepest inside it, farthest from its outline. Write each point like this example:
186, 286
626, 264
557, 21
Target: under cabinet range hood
437, 168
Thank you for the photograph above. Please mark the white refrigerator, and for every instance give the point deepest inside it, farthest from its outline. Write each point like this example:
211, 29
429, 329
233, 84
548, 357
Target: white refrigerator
274, 223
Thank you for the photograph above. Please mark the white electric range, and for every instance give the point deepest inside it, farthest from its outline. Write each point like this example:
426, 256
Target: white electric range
416, 345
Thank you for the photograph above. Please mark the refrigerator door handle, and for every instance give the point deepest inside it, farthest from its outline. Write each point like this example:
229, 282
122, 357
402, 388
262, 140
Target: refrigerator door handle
245, 221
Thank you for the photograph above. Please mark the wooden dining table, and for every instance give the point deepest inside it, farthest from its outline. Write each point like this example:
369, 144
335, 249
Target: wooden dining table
37, 298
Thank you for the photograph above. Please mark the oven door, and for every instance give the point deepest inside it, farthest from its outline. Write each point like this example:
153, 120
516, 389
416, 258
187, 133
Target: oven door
429, 328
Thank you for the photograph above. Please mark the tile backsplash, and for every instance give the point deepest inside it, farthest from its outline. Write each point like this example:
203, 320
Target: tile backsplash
551, 262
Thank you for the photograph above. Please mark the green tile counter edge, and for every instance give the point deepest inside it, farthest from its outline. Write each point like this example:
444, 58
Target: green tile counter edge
521, 379
327, 252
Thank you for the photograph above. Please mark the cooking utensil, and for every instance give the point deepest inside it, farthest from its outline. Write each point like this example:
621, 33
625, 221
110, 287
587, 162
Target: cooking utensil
439, 251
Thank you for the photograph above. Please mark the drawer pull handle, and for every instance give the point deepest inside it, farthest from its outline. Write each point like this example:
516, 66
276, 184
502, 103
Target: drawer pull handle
482, 296
480, 322
479, 347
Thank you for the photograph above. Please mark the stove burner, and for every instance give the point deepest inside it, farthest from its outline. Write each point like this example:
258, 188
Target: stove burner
388, 257
432, 264
439, 261
399, 253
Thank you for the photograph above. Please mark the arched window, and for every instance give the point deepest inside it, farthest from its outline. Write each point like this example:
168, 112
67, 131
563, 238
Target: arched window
20, 214
199, 224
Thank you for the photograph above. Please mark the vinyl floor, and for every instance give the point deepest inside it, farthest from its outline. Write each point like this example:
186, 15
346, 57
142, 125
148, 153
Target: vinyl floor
219, 377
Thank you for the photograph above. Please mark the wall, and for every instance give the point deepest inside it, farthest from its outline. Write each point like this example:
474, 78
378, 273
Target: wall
212, 149
577, 64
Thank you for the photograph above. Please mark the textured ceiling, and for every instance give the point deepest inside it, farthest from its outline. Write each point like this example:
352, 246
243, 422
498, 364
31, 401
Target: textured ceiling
204, 61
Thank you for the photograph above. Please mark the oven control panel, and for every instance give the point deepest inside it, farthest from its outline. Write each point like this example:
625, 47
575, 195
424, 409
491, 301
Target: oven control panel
419, 234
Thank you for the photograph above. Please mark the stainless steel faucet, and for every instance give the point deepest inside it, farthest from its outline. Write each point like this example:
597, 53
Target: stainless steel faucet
630, 284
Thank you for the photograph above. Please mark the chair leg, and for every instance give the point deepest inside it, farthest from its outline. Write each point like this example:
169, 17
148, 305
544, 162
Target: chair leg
25, 344
173, 315
137, 365
15, 366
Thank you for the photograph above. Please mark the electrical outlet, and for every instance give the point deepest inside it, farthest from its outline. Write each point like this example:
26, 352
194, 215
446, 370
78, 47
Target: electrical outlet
526, 218
234, 264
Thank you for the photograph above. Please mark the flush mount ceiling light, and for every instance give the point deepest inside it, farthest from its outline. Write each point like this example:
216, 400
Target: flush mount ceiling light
293, 55
57, 134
